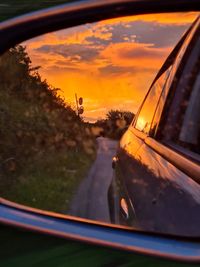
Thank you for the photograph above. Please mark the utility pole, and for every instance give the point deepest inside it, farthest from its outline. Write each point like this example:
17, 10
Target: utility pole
76, 98
79, 107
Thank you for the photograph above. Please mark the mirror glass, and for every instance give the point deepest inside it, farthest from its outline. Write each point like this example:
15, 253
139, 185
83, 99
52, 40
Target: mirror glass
70, 139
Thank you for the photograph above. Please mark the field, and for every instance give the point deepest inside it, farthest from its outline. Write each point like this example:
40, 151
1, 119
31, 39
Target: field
12, 8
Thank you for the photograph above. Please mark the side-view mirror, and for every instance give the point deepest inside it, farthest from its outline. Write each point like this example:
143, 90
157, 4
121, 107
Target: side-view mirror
96, 99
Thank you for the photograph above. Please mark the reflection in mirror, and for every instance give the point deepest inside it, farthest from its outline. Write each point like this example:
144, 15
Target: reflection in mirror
67, 100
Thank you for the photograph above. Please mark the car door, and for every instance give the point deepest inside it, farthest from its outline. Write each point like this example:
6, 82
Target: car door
128, 166
164, 192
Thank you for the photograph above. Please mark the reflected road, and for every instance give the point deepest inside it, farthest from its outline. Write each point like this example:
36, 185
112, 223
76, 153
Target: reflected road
90, 200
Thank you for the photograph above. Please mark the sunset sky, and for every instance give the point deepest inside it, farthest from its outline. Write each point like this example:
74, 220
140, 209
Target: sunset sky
112, 63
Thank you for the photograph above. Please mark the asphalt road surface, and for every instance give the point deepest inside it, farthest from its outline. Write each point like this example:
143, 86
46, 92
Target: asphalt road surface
90, 200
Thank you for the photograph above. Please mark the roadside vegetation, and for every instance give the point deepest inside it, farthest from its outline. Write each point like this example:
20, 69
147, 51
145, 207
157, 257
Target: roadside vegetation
46, 149
12, 8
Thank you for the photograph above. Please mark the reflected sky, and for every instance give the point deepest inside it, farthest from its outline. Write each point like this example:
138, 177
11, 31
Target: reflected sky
112, 63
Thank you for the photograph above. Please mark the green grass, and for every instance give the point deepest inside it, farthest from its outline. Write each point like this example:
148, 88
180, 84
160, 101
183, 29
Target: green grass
50, 181
22, 248
45, 179
12, 8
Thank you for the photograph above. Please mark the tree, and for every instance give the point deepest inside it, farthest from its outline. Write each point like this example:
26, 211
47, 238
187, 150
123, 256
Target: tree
116, 123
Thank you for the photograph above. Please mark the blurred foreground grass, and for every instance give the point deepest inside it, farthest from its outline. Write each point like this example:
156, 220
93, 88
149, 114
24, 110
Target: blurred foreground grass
12, 8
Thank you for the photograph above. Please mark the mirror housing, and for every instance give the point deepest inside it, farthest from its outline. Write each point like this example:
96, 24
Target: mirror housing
29, 26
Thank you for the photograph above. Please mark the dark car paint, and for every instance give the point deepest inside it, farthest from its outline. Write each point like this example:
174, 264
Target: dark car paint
164, 197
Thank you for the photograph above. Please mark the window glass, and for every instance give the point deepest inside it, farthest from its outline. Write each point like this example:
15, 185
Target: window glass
189, 135
183, 123
162, 100
146, 114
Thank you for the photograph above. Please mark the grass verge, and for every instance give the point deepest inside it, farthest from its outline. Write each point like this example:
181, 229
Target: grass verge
13, 8
49, 182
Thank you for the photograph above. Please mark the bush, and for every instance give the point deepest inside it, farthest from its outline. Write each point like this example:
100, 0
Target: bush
36, 123
115, 124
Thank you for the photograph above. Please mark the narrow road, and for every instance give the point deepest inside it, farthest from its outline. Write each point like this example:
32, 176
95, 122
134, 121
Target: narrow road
90, 200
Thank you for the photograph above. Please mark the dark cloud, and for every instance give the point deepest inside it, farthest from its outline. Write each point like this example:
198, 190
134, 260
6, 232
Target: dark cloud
116, 70
141, 52
98, 41
161, 35
62, 69
112, 69
73, 52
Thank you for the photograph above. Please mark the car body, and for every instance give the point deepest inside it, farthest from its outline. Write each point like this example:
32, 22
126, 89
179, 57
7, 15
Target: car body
157, 181
32, 237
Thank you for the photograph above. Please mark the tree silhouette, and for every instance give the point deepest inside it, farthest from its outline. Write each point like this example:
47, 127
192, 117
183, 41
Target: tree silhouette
116, 123
34, 119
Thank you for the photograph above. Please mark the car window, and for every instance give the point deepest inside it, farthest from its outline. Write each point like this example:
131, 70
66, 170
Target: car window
185, 112
12, 8
190, 130
144, 119
189, 133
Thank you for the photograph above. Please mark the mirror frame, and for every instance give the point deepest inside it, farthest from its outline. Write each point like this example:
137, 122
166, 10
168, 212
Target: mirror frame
28, 26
